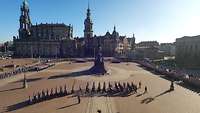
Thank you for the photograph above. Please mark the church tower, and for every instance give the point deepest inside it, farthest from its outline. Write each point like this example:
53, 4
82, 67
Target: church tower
88, 31
25, 22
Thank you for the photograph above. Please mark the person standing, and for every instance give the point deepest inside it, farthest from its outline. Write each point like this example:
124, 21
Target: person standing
145, 89
79, 100
172, 86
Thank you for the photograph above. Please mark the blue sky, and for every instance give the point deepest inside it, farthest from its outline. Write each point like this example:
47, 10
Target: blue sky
161, 20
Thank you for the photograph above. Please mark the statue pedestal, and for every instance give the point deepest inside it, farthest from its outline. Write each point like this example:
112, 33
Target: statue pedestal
98, 67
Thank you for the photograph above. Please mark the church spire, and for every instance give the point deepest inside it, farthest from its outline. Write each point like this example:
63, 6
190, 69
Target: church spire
88, 10
115, 33
114, 28
88, 4
25, 21
88, 31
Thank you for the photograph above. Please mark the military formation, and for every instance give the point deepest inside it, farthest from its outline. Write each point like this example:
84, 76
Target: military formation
48, 94
23, 69
110, 89
15, 72
104, 89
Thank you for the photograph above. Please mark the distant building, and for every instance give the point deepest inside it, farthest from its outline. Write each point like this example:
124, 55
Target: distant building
43, 40
56, 40
147, 44
147, 49
188, 52
167, 48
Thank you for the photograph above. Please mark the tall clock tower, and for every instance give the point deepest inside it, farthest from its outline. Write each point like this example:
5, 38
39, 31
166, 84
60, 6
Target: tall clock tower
88, 31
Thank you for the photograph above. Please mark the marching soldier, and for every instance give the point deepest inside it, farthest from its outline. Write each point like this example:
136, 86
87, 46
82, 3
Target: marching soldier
51, 93
104, 87
47, 93
61, 91
124, 85
99, 87
34, 98
116, 87
87, 88
65, 89
39, 96
93, 87
56, 91
43, 94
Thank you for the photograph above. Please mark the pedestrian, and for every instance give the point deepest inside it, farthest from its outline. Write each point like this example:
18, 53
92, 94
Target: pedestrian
172, 86
79, 100
145, 89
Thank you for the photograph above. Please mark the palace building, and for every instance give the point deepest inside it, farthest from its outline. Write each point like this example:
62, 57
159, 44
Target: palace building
56, 40
188, 52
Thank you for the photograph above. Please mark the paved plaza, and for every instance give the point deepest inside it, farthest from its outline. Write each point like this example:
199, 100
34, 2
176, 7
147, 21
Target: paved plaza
157, 100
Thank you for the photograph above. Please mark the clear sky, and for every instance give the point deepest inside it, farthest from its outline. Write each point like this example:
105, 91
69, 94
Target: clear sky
161, 20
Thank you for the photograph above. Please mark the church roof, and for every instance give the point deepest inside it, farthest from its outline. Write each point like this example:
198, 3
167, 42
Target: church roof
108, 33
51, 25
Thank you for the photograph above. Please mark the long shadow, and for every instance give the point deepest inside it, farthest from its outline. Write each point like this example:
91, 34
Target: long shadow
150, 99
17, 106
140, 94
73, 74
11, 89
27, 103
68, 106
147, 100
29, 80
163, 93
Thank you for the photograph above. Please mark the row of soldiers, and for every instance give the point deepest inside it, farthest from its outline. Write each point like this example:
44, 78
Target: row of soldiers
15, 72
117, 87
49, 94
21, 70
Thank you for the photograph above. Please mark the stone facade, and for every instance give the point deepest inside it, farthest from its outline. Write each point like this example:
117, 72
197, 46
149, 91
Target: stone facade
147, 49
56, 40
168, 48
188, 52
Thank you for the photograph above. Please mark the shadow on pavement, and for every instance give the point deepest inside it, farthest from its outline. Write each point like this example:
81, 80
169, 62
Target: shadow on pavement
13, 89
17, 106
73, 74
30, 80
150, 99
68, 106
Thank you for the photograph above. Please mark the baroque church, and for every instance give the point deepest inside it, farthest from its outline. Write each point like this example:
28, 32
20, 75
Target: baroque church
56, 40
